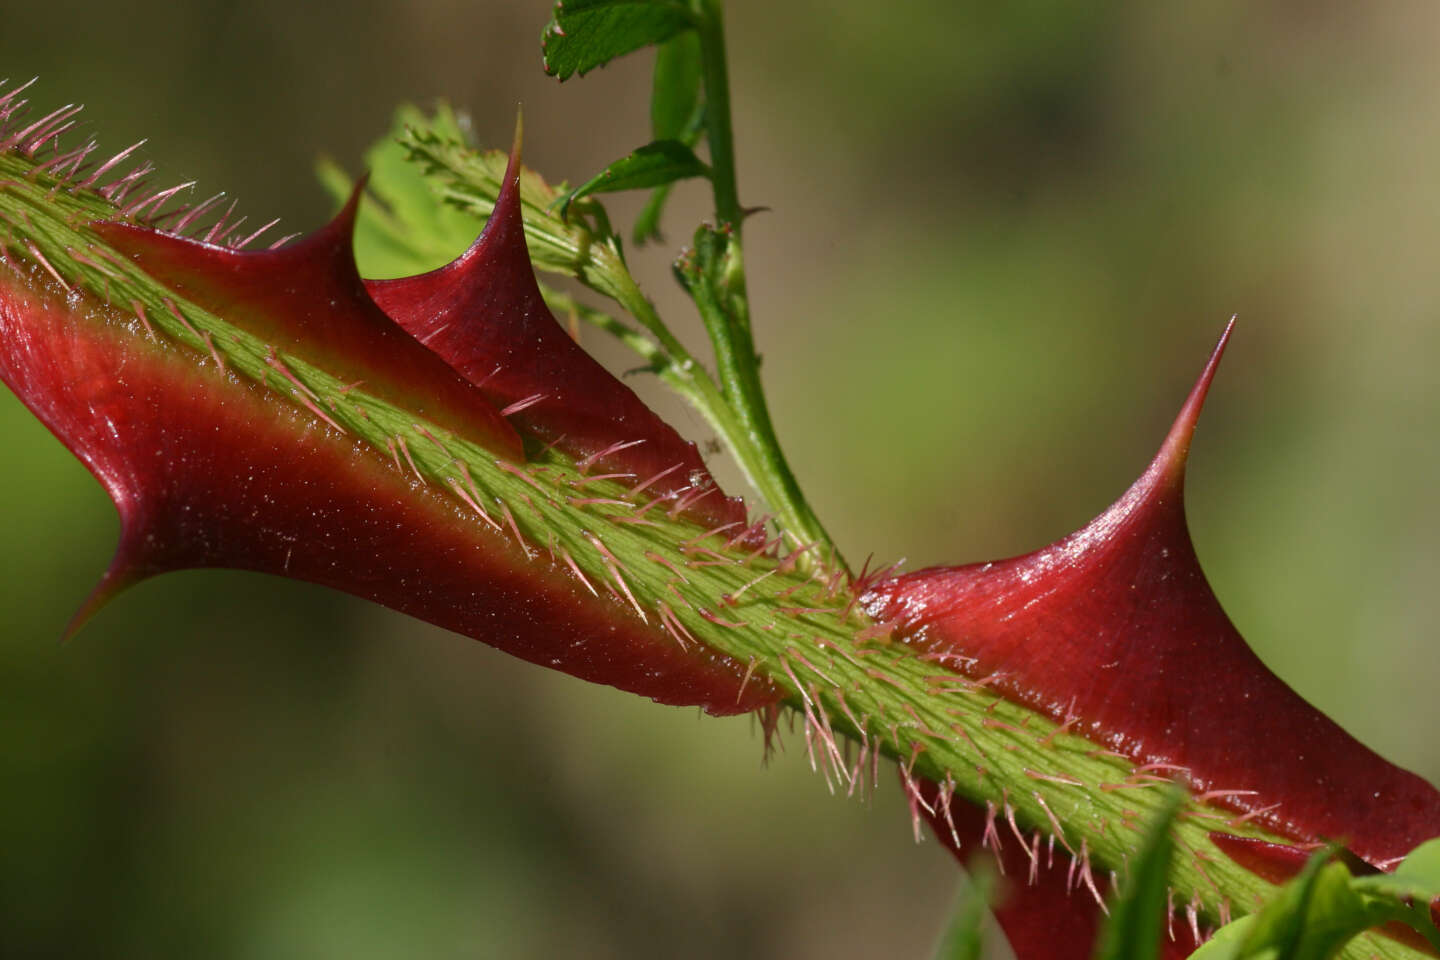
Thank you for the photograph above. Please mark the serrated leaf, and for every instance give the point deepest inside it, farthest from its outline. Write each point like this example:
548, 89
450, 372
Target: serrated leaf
1137, 916
584, 34
657, 163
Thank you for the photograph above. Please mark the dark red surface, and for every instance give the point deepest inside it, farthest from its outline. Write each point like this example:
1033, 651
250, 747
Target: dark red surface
207, 470
307, 299
484, 314
1117, 626
1276, 862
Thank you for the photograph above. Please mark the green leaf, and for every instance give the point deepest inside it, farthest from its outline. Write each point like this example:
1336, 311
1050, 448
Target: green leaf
404, 227
1137, 914
654, 164
1410, 890
675, 90
647, 221
1422, 867
676, 113
1336, 913
1279, 927
1227, 941
964, 936
1277, 931
584, 34
1324, 908
469, 180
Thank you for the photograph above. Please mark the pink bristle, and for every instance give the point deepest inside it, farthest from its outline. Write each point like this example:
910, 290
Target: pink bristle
219, 223
196, 211
39, 127
224, 238
155, 201
116, 190
108, 165
242, 244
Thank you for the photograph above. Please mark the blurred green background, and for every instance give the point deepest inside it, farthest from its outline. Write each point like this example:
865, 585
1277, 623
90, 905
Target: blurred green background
1002, 238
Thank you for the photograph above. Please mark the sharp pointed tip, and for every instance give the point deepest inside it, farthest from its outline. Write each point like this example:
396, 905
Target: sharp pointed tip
82, 616
1190, 412
115, 581
344, 220
1196, 400
334, 241
506, 219
519, 138
1176, 449
512, 168
1222, 343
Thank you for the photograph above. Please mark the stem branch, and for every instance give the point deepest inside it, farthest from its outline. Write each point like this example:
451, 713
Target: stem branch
714, 273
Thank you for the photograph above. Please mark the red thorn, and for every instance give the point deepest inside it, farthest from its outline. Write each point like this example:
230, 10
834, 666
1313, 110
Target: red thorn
210, 471
1169, 463
1114, 629
484, 314
307, 300
121, 575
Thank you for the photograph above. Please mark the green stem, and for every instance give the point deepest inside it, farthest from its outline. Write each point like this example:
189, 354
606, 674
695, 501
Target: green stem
696, 390
715, 277
726, 412
691, 380
711, 28
799, 631
714, 274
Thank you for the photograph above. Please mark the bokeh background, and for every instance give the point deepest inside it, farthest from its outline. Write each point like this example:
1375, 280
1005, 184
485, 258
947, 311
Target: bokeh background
1002, 238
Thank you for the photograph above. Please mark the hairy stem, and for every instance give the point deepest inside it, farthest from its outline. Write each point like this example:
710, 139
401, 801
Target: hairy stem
862, 695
